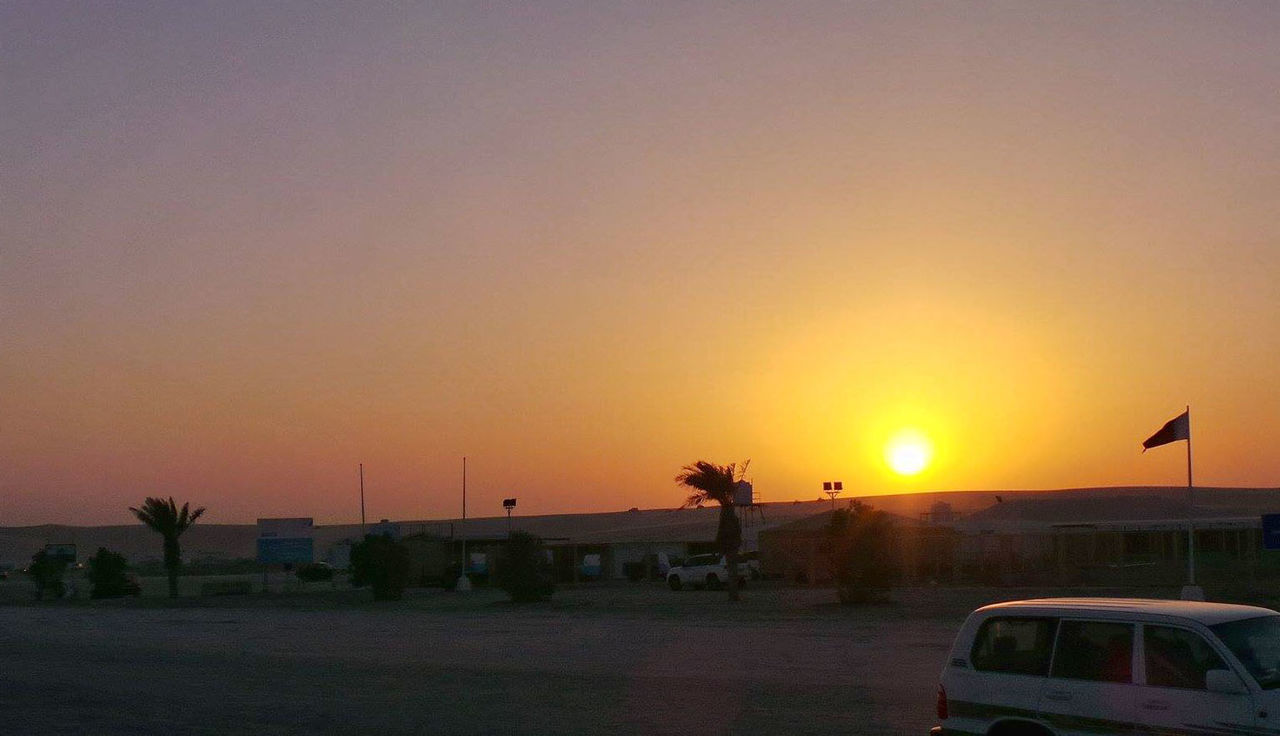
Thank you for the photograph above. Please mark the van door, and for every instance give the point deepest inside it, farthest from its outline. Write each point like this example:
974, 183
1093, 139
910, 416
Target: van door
1171, 692
1090, 687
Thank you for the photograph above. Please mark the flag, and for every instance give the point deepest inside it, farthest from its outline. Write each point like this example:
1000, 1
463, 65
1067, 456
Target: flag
1178, 428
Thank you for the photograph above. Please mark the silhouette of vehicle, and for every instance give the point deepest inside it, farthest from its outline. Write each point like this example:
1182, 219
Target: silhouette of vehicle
1071, 666
699, 571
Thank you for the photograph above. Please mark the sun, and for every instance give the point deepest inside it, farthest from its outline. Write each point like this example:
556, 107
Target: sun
908, 452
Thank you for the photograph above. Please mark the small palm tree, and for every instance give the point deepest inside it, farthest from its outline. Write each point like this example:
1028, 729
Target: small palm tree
169, 522
711, 482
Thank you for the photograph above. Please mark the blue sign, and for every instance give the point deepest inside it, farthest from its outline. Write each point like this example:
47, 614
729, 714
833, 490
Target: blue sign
285, 550
1271, 531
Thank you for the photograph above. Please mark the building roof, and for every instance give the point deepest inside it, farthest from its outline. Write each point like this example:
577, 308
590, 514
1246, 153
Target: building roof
1200, 611
1021, 511
820, 521
619, 527
1140, 508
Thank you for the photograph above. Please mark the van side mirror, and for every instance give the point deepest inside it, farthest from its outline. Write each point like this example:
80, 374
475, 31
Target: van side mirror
1224, 681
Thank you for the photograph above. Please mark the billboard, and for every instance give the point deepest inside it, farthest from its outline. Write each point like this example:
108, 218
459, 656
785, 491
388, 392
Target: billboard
286, 541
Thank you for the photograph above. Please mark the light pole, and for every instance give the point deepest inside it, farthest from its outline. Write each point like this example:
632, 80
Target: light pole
361, 499
509, 504
832, 488
464, 582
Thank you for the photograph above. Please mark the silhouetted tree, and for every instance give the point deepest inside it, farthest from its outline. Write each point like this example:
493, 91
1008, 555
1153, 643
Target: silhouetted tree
169, 522
107, 578
381, 563
861, 543
711, 482
522, 569
46, 572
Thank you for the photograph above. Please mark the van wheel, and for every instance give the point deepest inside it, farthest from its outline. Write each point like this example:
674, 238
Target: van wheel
713, 582
674, 582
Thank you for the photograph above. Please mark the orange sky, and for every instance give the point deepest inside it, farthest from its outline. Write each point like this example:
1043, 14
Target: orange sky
248, 248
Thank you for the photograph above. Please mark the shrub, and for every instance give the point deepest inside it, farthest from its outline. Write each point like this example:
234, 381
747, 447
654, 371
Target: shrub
522, 569
381, 563
46, 573
314, 572
862, 554
107, 578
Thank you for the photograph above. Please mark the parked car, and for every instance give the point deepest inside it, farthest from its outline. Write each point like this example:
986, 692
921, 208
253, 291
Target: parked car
1074, 666
702, 571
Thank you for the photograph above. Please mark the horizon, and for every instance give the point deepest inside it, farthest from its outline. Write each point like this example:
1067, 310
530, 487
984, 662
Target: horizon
868, 498
903, 246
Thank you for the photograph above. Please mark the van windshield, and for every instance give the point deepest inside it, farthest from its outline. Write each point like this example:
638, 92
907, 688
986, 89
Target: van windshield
1256, 643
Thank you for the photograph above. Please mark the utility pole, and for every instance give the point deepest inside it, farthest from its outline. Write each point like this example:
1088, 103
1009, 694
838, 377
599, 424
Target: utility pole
362, 500
464, 582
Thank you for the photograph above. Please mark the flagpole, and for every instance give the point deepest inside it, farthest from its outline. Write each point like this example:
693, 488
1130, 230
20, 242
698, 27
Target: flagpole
1191, 500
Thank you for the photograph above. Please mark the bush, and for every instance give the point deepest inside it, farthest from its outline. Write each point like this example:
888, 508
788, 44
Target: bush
314, 572
46, 573
522, 569
381, 563
862, 554
107, 575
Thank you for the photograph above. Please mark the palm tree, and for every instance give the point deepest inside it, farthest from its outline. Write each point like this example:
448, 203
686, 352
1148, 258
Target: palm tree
711, 482
166, 520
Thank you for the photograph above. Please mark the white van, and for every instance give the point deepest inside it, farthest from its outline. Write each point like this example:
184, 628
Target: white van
1076, 666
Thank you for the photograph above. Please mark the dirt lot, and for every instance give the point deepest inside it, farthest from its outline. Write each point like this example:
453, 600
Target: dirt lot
622, 660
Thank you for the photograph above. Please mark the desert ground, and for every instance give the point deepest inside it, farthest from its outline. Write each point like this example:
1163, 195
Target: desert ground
622, 659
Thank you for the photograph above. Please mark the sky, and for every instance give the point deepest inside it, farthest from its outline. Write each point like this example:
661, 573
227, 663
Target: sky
245, 247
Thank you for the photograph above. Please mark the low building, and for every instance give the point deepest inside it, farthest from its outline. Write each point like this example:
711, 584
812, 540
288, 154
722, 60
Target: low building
801, 551
1124, 540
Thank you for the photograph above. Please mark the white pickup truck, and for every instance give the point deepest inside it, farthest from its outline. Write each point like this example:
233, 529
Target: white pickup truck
706, 571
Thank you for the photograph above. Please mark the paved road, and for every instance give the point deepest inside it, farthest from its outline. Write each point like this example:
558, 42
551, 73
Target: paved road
265, 670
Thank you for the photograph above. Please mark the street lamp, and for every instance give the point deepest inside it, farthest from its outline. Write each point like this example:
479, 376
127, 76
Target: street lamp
832, 488
508, 504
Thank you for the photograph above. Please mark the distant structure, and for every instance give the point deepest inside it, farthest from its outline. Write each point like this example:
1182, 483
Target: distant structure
940, 512
745, 498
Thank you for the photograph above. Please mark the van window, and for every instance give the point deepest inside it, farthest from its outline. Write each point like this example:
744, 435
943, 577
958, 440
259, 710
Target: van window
1256, 643
1101, 651
1177, 657
1016, 645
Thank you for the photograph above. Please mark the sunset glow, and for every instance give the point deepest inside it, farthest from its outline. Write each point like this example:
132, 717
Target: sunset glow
249, 246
